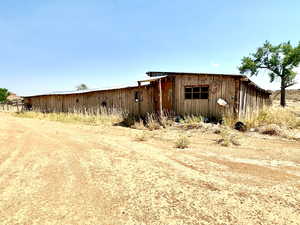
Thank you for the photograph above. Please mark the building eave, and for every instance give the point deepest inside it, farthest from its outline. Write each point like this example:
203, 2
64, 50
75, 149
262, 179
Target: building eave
62, 93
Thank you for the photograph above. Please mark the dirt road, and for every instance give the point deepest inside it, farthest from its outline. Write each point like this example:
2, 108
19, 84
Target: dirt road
55, 173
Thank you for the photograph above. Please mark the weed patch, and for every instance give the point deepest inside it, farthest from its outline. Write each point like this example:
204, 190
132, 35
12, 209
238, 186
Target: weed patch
275, 130
152, 122
89, 119
227, 138
141, 136
139, 125
274, 115
182, 142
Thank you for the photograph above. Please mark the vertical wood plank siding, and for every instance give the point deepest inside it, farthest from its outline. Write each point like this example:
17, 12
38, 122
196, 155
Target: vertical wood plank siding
252, 100
243, 98
219, 87
121, 99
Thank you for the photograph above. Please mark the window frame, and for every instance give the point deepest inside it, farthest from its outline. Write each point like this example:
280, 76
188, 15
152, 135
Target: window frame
193, 93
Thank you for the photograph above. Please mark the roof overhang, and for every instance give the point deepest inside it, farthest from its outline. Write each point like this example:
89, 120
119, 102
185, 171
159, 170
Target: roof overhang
251, 83
60, 93
152, 79
160, 73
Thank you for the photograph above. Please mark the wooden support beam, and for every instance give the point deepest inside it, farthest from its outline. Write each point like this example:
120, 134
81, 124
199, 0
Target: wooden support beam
237, 99
160, 98
139, 98
245, 79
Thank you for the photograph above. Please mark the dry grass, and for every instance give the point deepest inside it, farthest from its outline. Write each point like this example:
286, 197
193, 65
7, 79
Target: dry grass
165, 120
182, 142
152, 122
192, 119
275, 121
139, 125
197, 123
291, 95
192, 122
108, 117
229, 120
105, 118
275, 130
143, 136
272, 129
10, 108
283, 117
228, 138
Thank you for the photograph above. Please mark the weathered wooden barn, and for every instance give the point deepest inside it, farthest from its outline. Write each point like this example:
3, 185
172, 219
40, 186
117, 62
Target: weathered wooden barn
210, 95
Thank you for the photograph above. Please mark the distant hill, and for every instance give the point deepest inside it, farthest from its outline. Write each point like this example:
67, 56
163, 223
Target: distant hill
291, 95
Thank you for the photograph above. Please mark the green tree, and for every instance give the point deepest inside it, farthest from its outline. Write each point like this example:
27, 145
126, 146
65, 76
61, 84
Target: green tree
279, 60
82, 87
3, 94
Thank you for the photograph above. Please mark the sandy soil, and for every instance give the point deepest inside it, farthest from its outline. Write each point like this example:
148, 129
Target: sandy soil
55, 173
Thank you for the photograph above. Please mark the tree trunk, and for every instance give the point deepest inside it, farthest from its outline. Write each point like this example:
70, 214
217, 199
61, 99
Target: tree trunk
282, 92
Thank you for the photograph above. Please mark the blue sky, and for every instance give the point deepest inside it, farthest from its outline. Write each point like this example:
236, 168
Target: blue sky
58, 44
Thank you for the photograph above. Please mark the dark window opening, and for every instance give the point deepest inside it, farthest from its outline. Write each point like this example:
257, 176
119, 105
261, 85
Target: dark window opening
200, 92
188, 89
28, 106
188, 95
196, 89
104, 104
137, 96
77, 100
204, 95
204, 89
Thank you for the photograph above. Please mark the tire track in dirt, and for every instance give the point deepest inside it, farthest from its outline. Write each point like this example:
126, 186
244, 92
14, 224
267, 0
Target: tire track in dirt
77, 184
101, 176
253, 169
25, 168
18, 146
170, 164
